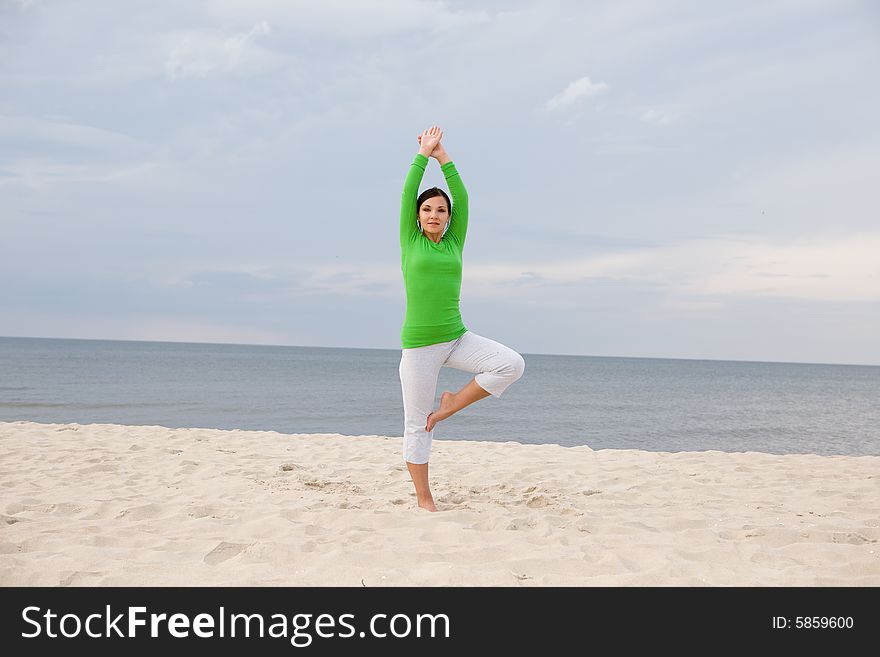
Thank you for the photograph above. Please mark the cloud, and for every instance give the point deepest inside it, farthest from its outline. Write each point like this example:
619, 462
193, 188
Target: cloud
818, 269
350, 19
841, 269
581, 88
660, 114
203, 53
60, 132
834, 183
180, 329
232, 280
39, 173
692, 273
43, 151
169, 326
282, 281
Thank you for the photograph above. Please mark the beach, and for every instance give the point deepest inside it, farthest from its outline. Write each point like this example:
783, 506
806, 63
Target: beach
115, 505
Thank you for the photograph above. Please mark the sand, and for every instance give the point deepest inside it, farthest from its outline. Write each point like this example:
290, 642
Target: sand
113, 505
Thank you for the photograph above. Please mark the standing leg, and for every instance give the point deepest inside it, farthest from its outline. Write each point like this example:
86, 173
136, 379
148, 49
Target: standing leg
419, 474
419, 368
496, 367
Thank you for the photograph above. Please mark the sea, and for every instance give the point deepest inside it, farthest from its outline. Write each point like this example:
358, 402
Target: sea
654, 404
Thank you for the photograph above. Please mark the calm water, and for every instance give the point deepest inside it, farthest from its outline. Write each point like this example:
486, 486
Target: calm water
620, 403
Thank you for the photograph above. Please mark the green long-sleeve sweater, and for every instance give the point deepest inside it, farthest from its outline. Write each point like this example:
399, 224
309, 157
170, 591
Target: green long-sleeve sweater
432, 272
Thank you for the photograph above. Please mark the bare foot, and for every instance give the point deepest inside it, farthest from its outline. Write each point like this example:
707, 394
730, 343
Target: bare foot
441, 413
427, 504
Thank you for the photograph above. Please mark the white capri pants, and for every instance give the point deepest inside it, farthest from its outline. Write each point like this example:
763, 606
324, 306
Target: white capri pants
495, 366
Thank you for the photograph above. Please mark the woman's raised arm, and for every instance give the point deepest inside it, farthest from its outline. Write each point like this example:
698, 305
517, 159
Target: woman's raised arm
458, 221
459, 217
408, 227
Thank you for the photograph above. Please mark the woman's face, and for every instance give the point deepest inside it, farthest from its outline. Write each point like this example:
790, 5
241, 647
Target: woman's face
434, 215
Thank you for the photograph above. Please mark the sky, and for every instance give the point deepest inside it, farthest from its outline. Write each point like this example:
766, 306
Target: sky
656, 179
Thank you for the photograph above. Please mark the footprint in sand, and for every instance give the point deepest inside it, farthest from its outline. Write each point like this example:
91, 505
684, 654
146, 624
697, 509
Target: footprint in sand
210, 510
143, 512
538, 501
224, 551
80, 578
519, 523
851, 538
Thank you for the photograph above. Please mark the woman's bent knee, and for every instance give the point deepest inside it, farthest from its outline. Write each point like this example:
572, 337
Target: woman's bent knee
513, 369
519, 366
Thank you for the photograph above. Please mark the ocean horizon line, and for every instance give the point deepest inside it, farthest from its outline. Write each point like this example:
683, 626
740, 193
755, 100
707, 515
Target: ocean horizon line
525, 353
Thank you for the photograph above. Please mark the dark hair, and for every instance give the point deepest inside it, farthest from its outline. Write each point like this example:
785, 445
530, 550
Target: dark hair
431, 193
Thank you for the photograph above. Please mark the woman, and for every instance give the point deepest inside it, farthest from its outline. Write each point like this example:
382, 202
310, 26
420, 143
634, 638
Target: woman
433, 335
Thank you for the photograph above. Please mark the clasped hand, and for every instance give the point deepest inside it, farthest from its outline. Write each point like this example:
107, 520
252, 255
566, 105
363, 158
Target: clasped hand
429, 142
